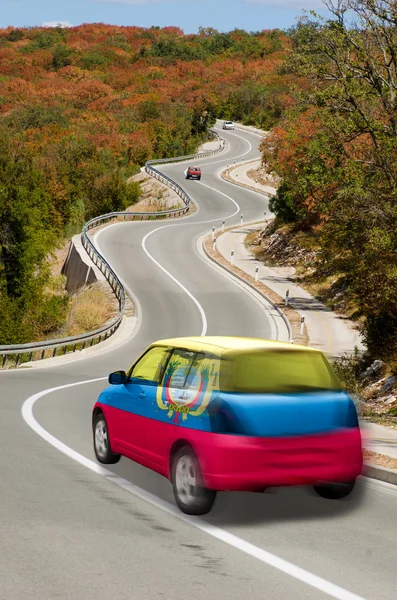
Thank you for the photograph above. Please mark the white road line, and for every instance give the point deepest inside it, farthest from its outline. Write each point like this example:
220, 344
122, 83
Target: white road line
226, 196
332, 590
175, 280
193, 298
215, 162
260, 301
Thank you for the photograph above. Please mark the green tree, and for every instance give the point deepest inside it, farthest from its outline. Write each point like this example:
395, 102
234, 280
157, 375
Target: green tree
60, 57
351, 176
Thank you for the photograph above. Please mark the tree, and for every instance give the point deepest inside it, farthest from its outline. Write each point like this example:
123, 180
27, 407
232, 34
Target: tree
351, 177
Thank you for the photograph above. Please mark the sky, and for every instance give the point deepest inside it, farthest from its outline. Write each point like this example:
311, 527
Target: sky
224, 15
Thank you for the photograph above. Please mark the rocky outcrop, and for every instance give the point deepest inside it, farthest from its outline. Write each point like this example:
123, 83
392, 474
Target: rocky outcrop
281, 247
380, 390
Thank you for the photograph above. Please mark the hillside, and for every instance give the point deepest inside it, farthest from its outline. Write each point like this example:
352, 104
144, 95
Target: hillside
82, 109
334, 151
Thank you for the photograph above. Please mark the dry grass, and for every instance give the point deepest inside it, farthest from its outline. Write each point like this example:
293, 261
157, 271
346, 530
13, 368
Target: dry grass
261, 177
91, 308
379, 459
292, 315
155, 197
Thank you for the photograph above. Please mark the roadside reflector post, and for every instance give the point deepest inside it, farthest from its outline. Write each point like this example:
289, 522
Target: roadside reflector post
287, 298
232, 257
264, 215
256, 273
242, 220
213, 233
302, 324
223, 225
215, 243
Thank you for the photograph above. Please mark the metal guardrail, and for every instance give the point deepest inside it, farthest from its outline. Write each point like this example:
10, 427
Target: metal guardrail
20, 353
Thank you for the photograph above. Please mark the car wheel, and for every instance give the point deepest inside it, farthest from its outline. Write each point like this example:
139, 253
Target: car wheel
190, 494
335, 491
102, 443
199, 178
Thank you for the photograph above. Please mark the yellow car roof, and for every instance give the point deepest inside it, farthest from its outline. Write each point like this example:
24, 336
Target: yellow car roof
225, 344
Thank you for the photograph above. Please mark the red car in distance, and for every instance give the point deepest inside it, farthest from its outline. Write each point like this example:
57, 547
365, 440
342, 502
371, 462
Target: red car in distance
193, 173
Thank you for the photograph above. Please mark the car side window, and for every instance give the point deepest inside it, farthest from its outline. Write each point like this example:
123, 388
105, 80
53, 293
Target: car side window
152, 364
184, 367
179, 367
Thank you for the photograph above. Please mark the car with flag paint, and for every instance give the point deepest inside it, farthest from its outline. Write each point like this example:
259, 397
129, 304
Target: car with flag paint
231, 414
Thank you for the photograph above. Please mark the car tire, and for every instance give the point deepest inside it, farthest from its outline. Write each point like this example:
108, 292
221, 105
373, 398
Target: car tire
199, 178
102, 447
335, 491
187, 481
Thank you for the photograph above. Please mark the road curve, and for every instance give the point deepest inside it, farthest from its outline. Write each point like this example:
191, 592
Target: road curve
71, 529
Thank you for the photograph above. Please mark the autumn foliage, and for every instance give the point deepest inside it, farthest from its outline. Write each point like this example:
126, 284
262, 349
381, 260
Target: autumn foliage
335, 150
82, 109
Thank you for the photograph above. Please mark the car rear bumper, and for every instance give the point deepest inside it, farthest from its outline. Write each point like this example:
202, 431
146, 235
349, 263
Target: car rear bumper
246, 463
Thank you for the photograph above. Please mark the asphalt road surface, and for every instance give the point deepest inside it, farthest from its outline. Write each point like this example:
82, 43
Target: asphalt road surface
71, 529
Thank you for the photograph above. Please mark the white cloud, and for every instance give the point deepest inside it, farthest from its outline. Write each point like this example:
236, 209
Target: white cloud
57, 24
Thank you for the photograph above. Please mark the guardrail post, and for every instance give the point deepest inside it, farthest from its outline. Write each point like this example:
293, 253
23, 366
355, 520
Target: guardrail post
3, 362
17, 360
42, 354
54, 352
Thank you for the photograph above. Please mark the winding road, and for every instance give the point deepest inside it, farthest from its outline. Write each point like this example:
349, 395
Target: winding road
71, 529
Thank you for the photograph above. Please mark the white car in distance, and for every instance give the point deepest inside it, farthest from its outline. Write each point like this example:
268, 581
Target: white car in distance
228, 125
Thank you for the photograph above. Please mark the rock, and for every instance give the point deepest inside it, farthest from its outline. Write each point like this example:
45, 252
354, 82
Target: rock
389, 384
389, 400
375, 369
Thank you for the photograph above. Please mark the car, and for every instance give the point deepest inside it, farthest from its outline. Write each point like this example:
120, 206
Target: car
228, 125
228, 413
193, 173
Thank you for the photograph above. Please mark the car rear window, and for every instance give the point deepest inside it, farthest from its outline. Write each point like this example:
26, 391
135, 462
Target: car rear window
277, 371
